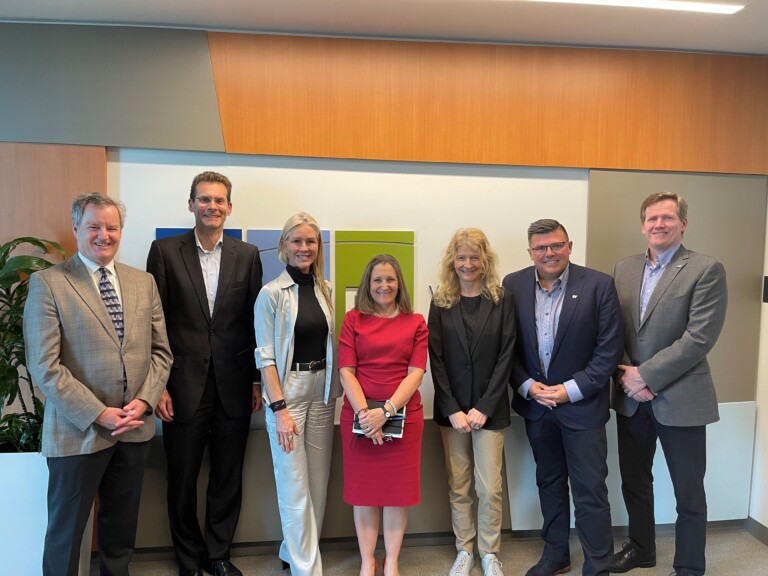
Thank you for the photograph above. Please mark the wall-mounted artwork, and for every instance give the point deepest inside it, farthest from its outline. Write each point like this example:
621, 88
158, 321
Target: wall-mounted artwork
165, 232
266, 241
353, 251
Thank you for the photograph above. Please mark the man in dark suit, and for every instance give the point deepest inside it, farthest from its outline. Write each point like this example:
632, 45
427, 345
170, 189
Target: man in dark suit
673, 302
96, 347
208, 284
569, 341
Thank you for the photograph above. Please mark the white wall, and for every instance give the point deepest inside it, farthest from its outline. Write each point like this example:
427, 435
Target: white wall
432, 200
758, 508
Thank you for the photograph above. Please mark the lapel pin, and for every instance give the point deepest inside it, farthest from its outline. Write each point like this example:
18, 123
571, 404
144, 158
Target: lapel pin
574, 296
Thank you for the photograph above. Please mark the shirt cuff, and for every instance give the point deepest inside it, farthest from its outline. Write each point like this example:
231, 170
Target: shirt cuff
525, 387
572, 389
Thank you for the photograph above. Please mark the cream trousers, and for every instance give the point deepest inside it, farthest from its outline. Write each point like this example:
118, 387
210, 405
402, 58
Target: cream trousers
301, 476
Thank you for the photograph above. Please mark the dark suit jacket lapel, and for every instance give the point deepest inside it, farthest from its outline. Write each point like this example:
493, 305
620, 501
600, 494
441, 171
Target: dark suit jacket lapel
228, 259
189, 256
570, 301
527, 307
679, 260
80, 279
634, 280
482, 317
458, 326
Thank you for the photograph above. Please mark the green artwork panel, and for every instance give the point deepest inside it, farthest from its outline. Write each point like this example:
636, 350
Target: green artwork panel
353, 251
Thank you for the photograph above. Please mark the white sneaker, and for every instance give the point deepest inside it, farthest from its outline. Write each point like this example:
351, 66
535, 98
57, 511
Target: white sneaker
491, 566
463, 564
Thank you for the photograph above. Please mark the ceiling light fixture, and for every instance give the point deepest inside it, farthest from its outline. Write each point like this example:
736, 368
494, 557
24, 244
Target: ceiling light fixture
657, 5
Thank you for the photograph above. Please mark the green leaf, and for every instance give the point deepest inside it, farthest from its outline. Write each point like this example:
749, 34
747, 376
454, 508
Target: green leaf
40, 244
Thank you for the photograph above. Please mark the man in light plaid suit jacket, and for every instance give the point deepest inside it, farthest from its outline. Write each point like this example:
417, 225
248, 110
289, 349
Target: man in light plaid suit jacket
101, 381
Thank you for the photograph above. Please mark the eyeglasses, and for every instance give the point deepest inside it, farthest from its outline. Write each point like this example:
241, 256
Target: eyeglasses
541, 250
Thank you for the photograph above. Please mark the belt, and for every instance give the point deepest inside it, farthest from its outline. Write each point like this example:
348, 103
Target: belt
314, 366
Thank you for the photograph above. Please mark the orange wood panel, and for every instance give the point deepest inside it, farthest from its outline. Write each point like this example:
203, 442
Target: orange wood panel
38, 184
446, 102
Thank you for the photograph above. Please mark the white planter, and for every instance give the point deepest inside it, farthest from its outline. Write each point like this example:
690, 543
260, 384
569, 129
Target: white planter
23, 484
24, 515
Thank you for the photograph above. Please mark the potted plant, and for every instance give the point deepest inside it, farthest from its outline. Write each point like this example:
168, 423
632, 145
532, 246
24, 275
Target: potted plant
19, 431
23, 472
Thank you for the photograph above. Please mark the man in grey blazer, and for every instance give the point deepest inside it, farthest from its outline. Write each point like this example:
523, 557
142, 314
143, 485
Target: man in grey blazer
673, 302
97, 348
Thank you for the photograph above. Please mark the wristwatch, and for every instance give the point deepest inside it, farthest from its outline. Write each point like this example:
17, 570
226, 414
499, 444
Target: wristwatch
387, 413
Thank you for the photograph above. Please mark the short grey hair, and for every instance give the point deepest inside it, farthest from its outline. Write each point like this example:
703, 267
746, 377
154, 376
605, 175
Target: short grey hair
96, 199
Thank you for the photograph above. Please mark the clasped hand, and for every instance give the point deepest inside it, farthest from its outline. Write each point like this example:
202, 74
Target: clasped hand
633, 384
371, 423
549, 396
121, 420
472, 420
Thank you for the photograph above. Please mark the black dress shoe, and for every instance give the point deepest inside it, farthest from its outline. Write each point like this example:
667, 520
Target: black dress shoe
193, 572
545, 567
224, 568
285, 564
629, 558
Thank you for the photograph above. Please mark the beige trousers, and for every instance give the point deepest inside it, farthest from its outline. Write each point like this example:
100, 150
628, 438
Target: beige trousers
487, 447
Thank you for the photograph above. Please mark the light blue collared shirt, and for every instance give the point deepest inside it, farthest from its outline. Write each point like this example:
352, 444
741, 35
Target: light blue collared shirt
652, 274
549, 304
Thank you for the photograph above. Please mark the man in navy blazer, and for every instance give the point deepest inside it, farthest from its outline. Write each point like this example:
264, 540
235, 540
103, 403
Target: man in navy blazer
569, 342
208, 283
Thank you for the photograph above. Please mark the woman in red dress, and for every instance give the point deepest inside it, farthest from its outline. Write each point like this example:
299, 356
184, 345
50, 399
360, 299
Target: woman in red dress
382, 357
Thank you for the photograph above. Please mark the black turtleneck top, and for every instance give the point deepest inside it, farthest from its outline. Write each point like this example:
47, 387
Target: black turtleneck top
311, 331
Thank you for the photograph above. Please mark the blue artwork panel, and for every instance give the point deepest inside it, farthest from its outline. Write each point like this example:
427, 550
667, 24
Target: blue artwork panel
267, 240
165, 232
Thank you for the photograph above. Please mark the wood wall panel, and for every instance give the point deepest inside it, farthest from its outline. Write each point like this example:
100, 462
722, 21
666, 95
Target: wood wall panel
441, 102
38, 184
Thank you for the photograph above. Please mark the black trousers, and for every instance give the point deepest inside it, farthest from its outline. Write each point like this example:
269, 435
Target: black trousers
185, 444
685, 450
564, 454
116, 474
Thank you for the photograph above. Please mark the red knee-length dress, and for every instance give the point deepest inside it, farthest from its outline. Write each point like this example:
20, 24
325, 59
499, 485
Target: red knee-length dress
381, 350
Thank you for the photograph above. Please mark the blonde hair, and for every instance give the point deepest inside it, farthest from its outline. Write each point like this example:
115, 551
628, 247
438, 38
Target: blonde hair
318, 265
364, 301
448, 292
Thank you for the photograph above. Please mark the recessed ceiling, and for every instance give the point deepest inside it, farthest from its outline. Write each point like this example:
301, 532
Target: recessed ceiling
507, 21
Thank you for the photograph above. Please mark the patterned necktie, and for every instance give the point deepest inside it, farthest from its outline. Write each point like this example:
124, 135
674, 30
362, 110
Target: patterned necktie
112, 303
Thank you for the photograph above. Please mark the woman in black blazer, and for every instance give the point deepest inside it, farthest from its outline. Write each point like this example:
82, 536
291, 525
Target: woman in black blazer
471, 342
